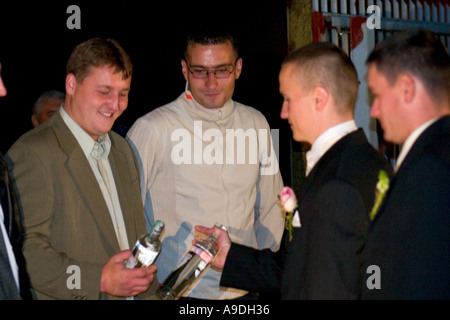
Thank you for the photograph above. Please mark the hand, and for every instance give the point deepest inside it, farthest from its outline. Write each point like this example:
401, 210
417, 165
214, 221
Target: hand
119, 281
223, 244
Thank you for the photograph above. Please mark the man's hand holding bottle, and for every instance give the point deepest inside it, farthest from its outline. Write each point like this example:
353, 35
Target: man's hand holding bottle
223, 243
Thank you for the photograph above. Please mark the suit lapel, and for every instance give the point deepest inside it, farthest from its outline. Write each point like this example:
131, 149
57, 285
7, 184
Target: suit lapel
440, 128
330, 157
124, 177
89, 191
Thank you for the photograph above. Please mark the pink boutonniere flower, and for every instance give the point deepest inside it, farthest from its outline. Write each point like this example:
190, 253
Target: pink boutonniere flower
288, 201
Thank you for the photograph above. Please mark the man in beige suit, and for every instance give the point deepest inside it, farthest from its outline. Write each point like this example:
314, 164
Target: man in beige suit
78, 185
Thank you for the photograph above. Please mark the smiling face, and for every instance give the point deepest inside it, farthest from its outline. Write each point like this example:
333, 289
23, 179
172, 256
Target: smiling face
98, 100
211, 92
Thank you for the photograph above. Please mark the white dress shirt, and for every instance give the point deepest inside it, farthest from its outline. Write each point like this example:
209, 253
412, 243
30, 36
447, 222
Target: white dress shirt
326, 140
9, 250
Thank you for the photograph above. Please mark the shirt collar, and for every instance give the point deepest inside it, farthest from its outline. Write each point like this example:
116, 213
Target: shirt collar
326, 140
407, 145
215, 114
86, 142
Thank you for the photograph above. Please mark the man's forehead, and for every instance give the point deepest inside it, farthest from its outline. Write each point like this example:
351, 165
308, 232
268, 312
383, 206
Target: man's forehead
223, 50
94, 71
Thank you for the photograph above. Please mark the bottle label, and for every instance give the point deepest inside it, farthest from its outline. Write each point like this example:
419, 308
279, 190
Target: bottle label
206, 257
131, 262
201, 266
143, 255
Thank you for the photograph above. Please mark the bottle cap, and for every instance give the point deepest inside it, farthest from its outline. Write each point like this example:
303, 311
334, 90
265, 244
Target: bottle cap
220, 226
158, 226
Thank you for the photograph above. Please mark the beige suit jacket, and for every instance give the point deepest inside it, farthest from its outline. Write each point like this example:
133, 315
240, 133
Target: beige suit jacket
69, 232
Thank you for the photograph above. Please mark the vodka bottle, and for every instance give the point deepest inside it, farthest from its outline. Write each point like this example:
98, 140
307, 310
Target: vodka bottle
190, 268
147, 248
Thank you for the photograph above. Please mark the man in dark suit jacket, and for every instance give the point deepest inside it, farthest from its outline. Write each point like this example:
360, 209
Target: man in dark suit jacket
323, 261
409, 242
81, 215
12, 287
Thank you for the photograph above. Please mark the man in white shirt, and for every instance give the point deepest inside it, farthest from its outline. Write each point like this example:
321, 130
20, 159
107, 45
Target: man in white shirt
208, 159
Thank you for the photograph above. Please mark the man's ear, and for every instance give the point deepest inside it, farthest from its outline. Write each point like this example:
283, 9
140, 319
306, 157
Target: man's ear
321, 96
71, 83
238, 68
407, 86
34, 121
184, 69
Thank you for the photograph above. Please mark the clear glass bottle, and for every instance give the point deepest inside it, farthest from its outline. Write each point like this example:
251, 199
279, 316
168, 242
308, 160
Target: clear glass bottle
147, 248
190, 268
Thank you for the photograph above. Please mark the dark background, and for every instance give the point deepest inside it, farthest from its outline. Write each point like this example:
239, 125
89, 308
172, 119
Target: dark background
35, 45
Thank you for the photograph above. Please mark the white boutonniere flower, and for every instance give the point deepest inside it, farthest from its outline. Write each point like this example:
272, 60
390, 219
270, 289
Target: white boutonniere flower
288, 201
380, 192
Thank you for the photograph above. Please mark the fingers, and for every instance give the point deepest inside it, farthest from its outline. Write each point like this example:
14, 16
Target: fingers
117, 280
204, 230
122, 255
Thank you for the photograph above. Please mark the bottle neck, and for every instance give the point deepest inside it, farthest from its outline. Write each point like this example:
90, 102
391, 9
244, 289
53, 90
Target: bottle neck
153, 236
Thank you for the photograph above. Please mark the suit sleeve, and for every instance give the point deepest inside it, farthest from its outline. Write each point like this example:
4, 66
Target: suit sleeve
252, 270
49, 267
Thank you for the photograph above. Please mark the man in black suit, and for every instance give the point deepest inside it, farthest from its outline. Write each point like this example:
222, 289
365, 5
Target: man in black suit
409, 241
14, 283
319, 85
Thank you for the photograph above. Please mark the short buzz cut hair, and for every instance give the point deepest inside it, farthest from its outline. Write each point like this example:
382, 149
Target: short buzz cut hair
210, 35
98, 52
324, 64
417, 52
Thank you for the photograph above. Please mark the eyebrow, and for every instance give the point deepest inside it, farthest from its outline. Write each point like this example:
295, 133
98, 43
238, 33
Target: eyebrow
108, 87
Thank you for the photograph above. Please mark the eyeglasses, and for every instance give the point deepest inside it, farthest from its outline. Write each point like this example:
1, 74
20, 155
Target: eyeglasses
219, 73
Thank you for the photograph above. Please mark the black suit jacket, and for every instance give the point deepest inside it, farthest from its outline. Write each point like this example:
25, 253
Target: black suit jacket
410, 237
14, 229
323, 261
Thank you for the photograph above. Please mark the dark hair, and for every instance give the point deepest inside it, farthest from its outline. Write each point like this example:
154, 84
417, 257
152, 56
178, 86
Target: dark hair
417, 52
210, 35
98, 52
324, 64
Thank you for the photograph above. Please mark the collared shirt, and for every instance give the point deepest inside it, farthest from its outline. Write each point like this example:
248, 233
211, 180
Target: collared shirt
326, 140
109, 194
183, 184
407, 145
9, 250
